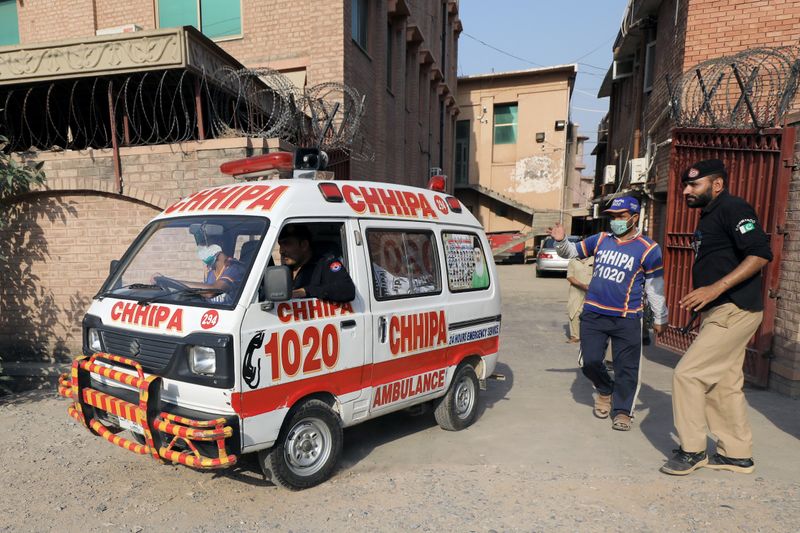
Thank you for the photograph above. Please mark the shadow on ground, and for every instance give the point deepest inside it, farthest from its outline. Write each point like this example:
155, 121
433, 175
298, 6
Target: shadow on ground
361, 440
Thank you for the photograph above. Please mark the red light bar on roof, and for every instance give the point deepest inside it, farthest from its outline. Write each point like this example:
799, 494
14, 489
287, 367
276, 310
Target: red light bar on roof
437, 183
331, 192
455, 205
258, 163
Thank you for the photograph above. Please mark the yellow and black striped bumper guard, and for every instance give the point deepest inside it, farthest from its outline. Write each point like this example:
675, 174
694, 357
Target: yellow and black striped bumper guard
182, 433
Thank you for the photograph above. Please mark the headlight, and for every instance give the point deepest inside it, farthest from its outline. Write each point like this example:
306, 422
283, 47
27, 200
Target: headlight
94, 340
203, 360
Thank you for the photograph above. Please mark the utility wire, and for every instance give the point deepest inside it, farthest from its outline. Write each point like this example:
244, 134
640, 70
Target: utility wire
509, 54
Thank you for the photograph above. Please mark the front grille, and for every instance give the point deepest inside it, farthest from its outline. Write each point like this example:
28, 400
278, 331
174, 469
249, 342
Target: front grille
153, 354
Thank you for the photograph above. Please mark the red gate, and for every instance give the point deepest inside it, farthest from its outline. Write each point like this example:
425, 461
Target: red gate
759, 169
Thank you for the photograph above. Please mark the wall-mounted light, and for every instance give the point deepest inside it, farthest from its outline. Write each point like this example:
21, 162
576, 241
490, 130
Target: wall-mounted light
540, 137
560, 125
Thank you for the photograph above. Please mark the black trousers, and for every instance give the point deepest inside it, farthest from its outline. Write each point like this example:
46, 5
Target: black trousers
626, 345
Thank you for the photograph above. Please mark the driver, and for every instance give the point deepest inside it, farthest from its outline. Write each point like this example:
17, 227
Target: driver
224, 273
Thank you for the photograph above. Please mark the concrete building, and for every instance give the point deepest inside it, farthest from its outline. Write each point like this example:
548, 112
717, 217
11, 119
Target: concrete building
518, 159
125, 104
653, 88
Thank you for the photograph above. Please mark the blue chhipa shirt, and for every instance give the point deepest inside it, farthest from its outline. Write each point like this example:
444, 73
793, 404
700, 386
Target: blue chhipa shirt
620, 270
232, 274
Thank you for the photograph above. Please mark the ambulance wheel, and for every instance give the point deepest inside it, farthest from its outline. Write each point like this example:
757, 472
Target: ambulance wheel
308, 447
458, 408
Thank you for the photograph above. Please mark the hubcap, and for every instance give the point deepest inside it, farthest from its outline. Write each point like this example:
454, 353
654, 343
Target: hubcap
308, 446
465, 397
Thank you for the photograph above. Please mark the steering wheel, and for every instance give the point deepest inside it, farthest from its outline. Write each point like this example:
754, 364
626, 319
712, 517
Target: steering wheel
168, 283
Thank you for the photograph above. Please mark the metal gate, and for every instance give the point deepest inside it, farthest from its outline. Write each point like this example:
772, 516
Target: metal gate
759, 168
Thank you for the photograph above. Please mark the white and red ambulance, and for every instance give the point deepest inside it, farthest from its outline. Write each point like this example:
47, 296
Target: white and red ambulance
199, 377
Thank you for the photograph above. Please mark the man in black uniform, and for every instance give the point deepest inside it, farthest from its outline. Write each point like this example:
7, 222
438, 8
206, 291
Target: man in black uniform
730, 251
322, 277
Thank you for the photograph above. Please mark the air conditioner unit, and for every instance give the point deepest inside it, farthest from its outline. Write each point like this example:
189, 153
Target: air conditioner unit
637, 169
610, 174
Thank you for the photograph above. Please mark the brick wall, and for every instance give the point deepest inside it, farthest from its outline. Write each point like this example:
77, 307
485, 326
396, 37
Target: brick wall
48, 20
785, 367
112, 13
723, 27
61, 240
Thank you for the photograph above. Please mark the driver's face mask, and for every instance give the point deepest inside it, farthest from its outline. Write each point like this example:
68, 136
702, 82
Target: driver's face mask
208, 254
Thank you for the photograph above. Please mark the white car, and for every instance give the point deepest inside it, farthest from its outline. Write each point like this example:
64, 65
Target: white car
548, 260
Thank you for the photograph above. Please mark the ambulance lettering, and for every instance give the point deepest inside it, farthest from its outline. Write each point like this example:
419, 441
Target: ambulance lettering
149, 316
417, 332
381, 201
305, 352
253, 196
407, 388
311, 309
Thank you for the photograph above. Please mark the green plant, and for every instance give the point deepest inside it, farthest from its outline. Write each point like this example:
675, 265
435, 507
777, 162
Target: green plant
15, 179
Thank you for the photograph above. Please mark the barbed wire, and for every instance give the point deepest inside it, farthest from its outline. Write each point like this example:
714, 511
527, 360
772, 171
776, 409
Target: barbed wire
166, 107
751, 89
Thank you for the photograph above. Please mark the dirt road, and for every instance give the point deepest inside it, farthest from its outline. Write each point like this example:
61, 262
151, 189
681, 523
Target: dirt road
536, 460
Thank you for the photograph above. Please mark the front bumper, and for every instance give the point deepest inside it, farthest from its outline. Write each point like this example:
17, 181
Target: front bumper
166, 436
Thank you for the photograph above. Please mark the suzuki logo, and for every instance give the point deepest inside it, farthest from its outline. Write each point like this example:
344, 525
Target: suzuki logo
134, 348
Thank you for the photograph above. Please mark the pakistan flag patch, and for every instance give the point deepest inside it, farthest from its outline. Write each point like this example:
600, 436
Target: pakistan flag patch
746, 225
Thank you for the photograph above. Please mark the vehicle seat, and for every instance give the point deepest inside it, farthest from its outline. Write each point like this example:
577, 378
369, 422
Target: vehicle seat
248, 250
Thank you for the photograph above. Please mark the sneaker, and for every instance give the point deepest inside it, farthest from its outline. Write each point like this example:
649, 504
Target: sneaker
683, 463
720, 462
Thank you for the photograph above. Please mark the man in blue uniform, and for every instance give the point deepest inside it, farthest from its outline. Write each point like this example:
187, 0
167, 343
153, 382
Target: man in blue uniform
323, 276
626, 265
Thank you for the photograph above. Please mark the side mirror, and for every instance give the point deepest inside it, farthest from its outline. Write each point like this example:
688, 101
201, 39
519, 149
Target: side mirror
113, 267
277, 284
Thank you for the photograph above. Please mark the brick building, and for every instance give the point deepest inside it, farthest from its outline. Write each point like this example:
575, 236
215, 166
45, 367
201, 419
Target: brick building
658, 52
111, 169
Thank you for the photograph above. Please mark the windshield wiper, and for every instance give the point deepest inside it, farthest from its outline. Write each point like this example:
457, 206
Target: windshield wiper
136, 286
187, 290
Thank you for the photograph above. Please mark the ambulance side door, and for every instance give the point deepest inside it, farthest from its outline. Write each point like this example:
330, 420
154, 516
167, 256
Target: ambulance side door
408, 313
302, 346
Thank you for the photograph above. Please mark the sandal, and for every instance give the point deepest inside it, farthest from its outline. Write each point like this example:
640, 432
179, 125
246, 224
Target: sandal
621, 423
602, 405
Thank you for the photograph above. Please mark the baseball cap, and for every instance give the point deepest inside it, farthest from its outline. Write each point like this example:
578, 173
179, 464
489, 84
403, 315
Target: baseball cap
706, 167
205, 253
622, 204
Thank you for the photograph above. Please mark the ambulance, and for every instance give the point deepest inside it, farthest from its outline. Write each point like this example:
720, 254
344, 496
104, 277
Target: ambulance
188, 374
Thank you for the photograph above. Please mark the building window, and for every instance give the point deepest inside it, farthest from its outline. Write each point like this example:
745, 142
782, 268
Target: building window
505, 124
359, 22
9, 23
217, 19
649, 66
462, 151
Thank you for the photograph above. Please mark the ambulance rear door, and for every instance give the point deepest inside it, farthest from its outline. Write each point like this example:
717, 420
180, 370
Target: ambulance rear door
409, 318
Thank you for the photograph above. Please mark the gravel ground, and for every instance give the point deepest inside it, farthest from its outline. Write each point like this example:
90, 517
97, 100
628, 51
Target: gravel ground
536, 460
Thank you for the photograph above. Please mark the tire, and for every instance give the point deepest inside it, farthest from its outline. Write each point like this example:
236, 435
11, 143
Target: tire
458, 408
308, 447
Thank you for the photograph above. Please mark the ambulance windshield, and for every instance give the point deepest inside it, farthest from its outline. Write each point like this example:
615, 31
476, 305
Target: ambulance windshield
192, 260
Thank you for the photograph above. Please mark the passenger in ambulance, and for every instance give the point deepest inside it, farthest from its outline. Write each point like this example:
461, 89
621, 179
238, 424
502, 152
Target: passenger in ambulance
322, 275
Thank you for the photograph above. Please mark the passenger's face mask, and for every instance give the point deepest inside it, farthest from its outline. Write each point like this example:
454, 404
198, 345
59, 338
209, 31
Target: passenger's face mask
210, 260
621, 227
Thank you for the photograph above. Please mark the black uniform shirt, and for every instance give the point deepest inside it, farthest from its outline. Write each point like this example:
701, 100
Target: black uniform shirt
326, 278
727, 233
